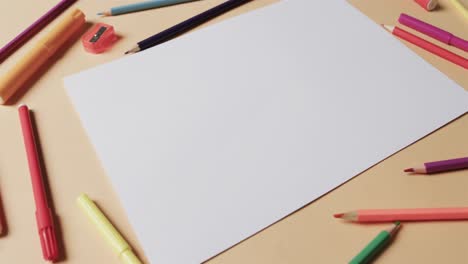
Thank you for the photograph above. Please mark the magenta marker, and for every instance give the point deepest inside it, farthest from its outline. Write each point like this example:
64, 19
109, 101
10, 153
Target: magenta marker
433, 32
440, 166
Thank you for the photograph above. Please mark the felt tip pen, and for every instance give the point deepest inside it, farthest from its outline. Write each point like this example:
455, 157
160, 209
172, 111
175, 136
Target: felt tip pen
26, 68
44, 217
433, 32
426, 45
107, 230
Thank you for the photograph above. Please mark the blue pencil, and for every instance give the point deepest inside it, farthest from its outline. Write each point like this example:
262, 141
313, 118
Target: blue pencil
114, 11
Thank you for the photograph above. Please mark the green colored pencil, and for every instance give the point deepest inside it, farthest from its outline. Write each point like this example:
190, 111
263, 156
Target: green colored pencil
376, 246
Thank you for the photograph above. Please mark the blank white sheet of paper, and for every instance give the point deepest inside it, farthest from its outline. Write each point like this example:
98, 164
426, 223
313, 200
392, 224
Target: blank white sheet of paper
217, 134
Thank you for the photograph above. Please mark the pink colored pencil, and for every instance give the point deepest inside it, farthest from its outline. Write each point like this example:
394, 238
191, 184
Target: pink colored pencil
439, 166
419, 214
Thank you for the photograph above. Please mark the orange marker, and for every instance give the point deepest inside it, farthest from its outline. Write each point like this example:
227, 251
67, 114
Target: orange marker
392, 215
40, 54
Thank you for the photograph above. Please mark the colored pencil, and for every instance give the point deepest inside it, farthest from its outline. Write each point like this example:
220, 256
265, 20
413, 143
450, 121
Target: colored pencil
33, 29
186, 25
44, 215
424, 44
377, 245
125, 9
433, 32
440, 166
460, 7
418, 214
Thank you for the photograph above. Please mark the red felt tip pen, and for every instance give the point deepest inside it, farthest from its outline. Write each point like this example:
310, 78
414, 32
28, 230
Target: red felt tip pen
44, 217
424, 44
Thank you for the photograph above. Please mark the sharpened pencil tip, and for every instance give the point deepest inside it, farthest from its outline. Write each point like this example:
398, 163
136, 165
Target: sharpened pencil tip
409, 170
389, 28
103, 14
134, 50
338, 215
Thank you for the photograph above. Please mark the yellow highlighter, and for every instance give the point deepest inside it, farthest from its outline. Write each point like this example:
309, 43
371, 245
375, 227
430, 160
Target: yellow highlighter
29, 65
107, 230
458, 5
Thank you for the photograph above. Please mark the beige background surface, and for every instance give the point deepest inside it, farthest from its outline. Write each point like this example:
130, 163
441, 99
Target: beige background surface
308, 236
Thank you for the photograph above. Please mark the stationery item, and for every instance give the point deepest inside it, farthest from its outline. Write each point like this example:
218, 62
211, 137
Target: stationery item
440, 166
390, 215
429, 5
44, 215
377, 245
433, 32
187, 25
119, 10
40, 54
2, 220
107, 230
99, 38
424, 44
32, 30
243, 125
460, 7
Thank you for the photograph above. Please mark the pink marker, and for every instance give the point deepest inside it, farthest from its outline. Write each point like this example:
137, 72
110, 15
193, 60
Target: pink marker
433, 32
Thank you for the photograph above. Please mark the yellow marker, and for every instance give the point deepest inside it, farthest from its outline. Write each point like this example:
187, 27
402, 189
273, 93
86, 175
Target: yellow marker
30, 64
460, 7
113, 237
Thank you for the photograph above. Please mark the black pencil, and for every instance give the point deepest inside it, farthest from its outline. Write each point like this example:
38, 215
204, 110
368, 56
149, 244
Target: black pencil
186, 25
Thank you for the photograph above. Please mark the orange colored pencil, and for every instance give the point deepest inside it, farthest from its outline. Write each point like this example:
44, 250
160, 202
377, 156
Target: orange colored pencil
418, 214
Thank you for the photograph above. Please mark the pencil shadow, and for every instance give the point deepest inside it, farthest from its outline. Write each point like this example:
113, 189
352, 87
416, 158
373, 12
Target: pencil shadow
3, 222
45, 177
118, 37
17, 95
439, 8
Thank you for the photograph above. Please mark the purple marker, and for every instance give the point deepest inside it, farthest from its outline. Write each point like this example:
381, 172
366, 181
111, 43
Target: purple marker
37, 26
433, 32
440, 166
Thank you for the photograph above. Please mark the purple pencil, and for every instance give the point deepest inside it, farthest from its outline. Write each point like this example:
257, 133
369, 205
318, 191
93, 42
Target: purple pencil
440, 166
433, 32
32, 30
